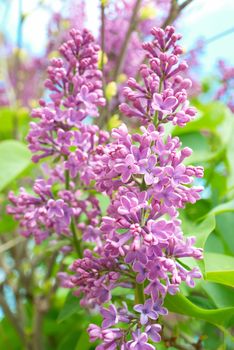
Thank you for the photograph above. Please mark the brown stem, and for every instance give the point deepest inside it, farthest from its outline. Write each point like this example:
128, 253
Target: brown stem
41, 306
13, 319
185, 3
102, 37
104, 112
132, 25
11, 243
175, 10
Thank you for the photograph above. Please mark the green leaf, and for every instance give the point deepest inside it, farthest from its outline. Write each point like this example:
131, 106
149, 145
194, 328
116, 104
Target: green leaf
200, 146
229, 154
194, 211
181, 305
7, 120
223, 208
83, 341
224, 229
210, 116
69, 341
219, 268
203, 230
71, 306
209, 134
221, 295
14, 159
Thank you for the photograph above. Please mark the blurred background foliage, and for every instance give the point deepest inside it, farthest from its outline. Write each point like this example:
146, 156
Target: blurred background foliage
35, 313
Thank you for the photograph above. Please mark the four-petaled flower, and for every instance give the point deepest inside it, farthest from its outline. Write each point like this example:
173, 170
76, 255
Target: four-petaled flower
163, 105
149, 169
146, 311
127, 168
139, 342
110, 316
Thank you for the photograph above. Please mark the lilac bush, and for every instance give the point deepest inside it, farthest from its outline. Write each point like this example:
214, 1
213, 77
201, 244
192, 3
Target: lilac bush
139, 243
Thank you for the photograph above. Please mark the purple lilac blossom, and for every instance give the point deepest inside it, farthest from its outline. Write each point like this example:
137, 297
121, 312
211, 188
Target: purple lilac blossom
138, 243
162, 97
76, 92
225, 91
147, 182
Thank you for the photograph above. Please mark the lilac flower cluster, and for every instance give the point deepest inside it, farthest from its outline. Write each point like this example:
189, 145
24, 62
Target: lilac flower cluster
163, 95
139, 243
76, 92
75, 87
143, 174
225, 91
45, 213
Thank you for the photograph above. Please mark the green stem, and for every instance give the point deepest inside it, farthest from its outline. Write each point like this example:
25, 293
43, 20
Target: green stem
76, 241
67, 180
139, 294
156, 113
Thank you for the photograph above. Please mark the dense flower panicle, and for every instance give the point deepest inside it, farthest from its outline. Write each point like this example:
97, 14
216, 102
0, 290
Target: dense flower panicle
163, 95
138, 243
147, 182
225, 92
76, 92
145, 177
147, 156
44, 213
95, 278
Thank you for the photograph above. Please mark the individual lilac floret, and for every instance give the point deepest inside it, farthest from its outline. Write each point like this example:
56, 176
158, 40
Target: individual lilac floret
153, 331
139, 342
127, 168
158, 308
163, 105
146, 311
110, 316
